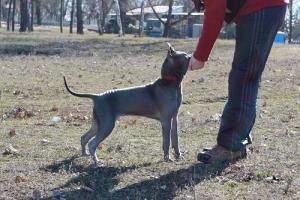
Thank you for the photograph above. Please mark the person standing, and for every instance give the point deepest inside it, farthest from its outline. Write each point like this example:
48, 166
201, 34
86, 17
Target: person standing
257, 23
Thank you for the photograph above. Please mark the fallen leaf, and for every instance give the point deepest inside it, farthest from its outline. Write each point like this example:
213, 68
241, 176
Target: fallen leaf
132, 122
232, 168
18, 112
101, 146
54, 109
12, 132
20, 179
194, 119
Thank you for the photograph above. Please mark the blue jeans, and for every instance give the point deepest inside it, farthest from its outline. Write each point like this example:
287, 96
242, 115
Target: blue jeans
255, 34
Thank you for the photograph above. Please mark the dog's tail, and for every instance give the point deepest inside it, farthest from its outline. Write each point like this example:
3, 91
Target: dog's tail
91, 96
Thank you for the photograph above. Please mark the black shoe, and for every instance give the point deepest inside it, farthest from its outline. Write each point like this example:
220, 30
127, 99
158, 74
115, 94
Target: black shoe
219, 154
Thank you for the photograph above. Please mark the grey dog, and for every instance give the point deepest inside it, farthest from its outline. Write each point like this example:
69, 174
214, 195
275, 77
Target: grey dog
159, 100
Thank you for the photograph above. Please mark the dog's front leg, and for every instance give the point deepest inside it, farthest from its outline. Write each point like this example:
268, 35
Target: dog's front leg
174, 137
166, 124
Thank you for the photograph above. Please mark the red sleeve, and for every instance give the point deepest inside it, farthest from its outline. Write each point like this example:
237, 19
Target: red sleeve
213, 21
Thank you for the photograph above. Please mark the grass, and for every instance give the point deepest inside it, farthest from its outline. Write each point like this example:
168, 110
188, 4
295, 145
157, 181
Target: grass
31, 67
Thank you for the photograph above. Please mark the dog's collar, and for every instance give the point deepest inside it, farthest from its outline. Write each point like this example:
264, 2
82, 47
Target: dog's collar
169, 78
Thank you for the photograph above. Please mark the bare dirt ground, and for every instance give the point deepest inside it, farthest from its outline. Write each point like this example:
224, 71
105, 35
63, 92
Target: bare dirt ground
41, 159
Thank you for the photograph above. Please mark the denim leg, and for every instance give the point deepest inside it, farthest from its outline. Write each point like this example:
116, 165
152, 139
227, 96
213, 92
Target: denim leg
255, 34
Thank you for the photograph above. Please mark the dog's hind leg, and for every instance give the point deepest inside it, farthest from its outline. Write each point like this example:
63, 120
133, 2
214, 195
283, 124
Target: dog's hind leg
88, 135
166, 124
107, 125
174, 137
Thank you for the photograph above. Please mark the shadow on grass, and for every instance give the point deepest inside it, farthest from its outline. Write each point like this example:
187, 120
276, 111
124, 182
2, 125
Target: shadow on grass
103, 180
67, 48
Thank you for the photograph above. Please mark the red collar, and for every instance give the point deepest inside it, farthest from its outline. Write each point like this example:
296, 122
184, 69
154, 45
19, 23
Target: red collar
169, 78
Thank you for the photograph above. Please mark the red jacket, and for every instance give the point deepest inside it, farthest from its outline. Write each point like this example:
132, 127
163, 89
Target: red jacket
214, 17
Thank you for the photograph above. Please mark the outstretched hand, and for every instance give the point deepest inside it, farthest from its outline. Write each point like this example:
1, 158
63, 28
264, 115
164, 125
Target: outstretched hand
195, 64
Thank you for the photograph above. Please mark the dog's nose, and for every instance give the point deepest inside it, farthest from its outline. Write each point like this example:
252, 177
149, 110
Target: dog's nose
189, 56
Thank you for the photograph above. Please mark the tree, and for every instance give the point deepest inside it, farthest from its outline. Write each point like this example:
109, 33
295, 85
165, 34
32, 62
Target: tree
106, 7
72, 16
13, 16
24, 15
30, 28
79, 17
51, 10
141, 21
8, 16
119, 21
61, 15
38, 12
169, 22
0, 13
66, 7
122, 5
290, 21
99, 6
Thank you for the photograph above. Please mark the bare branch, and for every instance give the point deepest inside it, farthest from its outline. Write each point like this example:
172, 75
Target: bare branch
155, 13
183, 18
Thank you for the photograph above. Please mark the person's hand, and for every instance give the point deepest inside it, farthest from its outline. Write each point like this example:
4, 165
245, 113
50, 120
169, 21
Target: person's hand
195, 64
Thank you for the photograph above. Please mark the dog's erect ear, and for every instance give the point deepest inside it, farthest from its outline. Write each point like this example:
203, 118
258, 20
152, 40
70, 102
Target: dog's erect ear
171, 50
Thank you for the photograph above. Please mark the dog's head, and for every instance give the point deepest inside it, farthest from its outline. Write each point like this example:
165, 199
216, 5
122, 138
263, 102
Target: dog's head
175, 64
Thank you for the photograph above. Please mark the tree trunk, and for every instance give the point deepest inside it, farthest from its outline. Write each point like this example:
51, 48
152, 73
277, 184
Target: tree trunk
141, 21
38, 12
61, 15
119, 21
31, 16
168, 26
0, 13
72, 16
13, 16
8, 16
79, 17
66, 5
290, 21
167, 29
24, 15
99, 16
106, 7
122, 6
